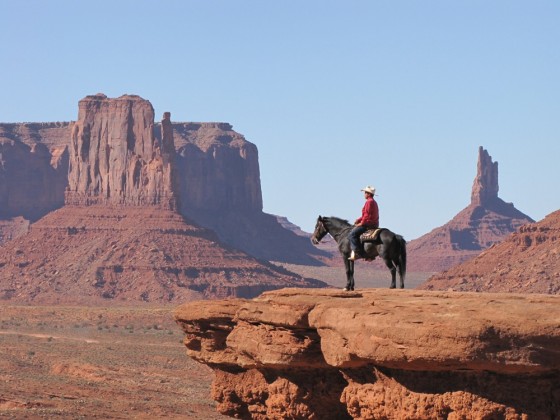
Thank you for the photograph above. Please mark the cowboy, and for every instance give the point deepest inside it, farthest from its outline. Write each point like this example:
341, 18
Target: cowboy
369, 220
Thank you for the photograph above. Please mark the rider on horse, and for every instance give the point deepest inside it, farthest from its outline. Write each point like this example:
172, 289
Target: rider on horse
369, 220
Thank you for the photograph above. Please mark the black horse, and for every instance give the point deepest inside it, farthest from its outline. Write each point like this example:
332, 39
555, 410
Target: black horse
388, 245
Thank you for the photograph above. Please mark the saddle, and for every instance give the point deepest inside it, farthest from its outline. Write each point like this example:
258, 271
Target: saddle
370, 235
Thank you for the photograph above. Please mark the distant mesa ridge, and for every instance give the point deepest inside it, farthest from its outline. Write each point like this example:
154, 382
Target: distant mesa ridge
487, 220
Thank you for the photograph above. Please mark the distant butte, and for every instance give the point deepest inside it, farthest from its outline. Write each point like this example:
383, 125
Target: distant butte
127, 222
116, 154
487, 220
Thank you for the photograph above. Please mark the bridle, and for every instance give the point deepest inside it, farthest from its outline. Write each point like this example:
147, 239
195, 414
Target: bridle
317, 237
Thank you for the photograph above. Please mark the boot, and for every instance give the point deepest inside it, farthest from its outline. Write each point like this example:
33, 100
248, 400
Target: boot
354, 256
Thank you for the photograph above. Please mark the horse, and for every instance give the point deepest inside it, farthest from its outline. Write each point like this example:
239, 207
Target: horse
388, 245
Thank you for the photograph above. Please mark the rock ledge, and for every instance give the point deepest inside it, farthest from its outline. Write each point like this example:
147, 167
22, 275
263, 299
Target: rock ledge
295, 353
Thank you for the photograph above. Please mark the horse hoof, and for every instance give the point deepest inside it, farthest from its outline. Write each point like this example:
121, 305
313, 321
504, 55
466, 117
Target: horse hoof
392, 287
345, 289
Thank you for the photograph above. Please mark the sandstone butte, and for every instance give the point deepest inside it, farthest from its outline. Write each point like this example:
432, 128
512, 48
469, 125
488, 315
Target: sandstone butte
379, 354
115, 154
119, 210
487, 220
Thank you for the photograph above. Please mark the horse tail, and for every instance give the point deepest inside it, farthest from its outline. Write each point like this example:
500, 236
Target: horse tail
402, 256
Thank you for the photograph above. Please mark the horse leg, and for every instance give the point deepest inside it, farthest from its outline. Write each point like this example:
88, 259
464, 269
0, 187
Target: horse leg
393, 270
349, 266
383, 253
352, 275
401, 275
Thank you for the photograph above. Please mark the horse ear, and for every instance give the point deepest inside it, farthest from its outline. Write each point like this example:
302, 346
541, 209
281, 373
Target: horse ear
320, 217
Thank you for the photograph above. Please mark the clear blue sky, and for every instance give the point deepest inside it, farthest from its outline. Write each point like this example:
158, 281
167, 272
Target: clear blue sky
335, 94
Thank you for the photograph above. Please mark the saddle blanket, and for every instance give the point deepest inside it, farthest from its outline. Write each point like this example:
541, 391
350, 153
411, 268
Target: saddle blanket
370, 235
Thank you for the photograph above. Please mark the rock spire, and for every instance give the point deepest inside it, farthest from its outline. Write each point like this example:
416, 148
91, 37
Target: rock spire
485, 185
486, 221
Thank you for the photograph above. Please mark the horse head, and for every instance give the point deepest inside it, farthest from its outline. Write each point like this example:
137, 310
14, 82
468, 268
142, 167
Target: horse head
319, 232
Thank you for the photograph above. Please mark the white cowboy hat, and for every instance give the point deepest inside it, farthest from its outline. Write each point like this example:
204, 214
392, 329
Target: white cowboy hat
369, 189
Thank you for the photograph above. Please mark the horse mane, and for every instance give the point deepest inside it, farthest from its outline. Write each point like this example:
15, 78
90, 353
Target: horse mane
338, 221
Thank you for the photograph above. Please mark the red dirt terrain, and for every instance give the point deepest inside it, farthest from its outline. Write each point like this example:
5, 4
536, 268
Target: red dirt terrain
85, 362
526, 262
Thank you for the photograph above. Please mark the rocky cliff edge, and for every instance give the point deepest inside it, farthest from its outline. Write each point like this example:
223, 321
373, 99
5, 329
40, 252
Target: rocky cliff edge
325, 354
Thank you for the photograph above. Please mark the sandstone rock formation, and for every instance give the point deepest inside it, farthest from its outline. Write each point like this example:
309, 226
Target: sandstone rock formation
226, 196
102, 254
486, 221
119, 234
32, 177
33, 174
485, 186
114, 158
527, 261
325, 354
116, 155
224, 165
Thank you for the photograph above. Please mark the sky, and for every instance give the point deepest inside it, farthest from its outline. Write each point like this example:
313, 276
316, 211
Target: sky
336, 95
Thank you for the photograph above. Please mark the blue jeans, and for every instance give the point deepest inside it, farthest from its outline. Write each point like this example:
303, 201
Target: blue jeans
354, 237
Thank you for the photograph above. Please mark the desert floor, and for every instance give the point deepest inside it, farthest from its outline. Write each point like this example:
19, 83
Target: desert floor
81, 362
366, 275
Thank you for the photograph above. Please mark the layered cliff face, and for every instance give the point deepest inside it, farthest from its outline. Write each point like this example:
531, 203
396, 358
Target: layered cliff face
114, 158
294, 354
221, 190
528, 261
32, 176
224, 165
486, 221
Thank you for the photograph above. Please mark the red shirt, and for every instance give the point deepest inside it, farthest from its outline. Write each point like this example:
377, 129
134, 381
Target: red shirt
370, 214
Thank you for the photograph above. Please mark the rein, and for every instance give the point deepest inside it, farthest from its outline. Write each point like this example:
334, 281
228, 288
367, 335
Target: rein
336, 236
